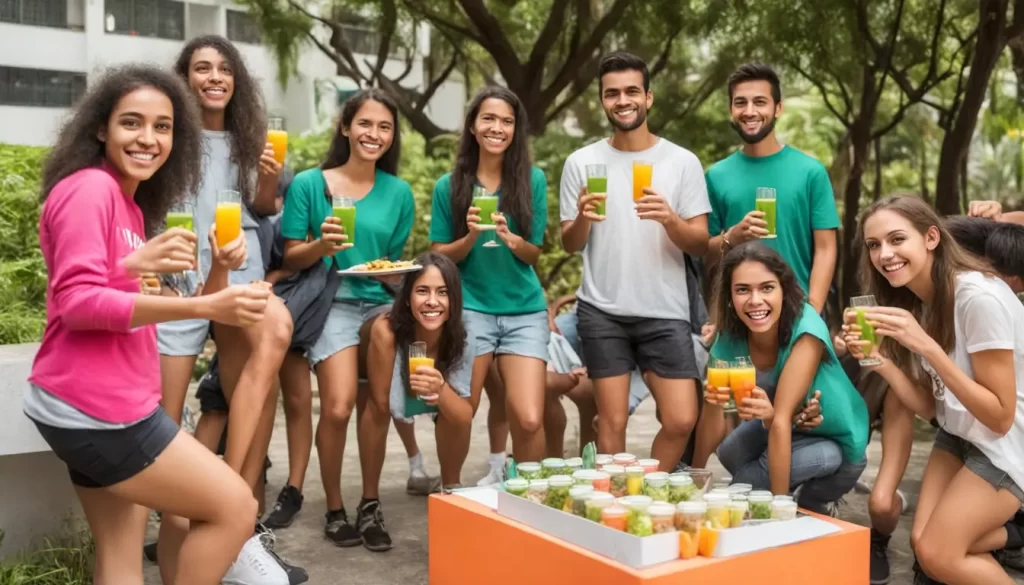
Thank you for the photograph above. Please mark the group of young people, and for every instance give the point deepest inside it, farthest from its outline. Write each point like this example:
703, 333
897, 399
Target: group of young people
144, 141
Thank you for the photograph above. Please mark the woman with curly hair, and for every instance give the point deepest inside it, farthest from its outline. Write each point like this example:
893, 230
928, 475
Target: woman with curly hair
505, 307
129, 150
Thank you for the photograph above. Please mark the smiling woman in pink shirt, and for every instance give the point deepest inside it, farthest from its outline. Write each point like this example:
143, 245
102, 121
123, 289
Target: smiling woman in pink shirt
130, 148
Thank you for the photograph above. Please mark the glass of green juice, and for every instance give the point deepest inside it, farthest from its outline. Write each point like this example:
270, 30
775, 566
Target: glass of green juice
182, 215
344, 208
867, 332
488, 205
764, 201
597, 184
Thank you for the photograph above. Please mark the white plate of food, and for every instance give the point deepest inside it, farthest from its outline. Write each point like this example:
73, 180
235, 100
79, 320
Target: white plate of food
381, 267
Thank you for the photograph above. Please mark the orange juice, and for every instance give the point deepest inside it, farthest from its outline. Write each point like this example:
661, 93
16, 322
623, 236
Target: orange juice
742, 382
415, 362
642, 172
279, 140
718, 377
228, 220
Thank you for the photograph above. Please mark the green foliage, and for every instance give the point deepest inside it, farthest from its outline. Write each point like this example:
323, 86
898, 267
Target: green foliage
22, 272
65, 561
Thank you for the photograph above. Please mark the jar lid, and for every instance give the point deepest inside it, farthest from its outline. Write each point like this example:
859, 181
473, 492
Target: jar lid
574, 462
613, 469
624, 457
614, 511
602, 459
761, 493
578, 491
783, 504
601, 499
648, 463
553, 462
760, 498
659, 477
680, 480
517, 482
714, 498
740, 488
632, 469
538, 484
559, 481
692, 507
528, 466
661, 509
584, 474
636, 502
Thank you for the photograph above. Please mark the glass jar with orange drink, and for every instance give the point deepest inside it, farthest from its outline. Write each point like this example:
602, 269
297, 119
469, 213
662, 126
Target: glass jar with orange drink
278, 138
228, 217
614, 517
643, 172
689, 519
742, 379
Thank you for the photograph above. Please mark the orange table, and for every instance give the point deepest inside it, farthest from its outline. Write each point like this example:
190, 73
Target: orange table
470, 544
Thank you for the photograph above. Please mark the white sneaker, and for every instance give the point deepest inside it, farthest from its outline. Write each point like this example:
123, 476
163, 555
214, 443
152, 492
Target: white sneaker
492, 477
255, 566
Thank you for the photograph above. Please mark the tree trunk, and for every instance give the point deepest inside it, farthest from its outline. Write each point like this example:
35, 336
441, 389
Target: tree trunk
860, 138
923, 171
877, 191
991, 41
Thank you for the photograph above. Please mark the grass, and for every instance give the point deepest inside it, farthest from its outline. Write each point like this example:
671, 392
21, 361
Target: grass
59, 562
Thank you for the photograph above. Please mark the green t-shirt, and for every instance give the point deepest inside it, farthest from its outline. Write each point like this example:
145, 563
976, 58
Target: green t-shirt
494, 280
384, 220
803, 195
844, 414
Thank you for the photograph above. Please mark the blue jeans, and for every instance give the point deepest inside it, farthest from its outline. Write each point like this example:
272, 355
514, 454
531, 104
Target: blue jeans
816, 463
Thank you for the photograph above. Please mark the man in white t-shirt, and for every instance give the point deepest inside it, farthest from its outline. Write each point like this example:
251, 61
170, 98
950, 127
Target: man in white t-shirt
633, 309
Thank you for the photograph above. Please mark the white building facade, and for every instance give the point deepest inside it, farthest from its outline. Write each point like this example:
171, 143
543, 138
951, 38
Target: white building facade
50, 48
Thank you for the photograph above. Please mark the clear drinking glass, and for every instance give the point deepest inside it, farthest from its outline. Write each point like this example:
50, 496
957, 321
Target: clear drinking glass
867, 330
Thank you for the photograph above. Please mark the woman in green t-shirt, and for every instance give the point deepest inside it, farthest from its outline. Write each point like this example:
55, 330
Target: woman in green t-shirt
764, 317
361, 165
505, 306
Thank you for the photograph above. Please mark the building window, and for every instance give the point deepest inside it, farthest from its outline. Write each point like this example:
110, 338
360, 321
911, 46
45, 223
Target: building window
163, 19
365, 41
35, 12
40, 87
243, 28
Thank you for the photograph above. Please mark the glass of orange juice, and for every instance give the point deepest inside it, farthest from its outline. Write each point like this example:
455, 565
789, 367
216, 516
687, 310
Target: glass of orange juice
742, 379
278, 138
418, 357
718, 374
642, 172
228, 217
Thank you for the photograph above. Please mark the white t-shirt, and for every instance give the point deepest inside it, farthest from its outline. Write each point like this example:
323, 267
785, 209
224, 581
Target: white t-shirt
987, 315
631, 268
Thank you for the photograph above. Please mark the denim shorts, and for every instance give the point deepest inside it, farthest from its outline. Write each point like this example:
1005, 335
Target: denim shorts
977, 462
341, 330
525, 335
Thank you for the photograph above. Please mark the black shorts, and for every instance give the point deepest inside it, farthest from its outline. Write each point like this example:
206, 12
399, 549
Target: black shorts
614, 346
210, 393
101, 458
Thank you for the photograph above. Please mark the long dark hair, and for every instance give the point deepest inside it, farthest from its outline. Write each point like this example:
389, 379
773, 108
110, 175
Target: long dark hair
78, 146
517, 197
724, 314
403, 323
341, 149
949, 259
245, 118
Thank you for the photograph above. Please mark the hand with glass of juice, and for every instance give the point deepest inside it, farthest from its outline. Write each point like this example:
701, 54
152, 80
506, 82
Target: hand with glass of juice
487, 203
278, 138
597, 184
344, 208
860, 305
643, 172
764, 202
718, 378
415, 404
183, 216
228, 217
742, 379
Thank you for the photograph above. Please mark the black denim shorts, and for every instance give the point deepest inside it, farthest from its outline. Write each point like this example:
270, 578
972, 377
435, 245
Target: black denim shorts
977, 462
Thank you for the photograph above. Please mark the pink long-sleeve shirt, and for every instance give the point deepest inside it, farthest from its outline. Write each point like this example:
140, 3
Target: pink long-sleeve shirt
91, 357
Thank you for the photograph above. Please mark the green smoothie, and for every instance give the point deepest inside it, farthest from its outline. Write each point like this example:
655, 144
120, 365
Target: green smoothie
347, 215
488, 205
867, 332
179, 219
598, 185
767, 206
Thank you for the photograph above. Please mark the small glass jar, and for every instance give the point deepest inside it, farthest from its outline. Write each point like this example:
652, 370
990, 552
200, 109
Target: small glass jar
616, 479
624, 459
601, 460
649, 465
614, 517
597, 502
529, 470
577, 501
558, 491
582, 477
717, 509
702, 479
783, 509
634, 480
517, 486
760, 505
638, 520
574, 464
680, 488
689, 519
600, 480
662, 517
538, 491
740, 488
552, 466
656, 486
737, 512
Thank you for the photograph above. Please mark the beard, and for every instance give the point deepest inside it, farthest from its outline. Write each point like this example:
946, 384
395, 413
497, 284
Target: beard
641, 117
760, 135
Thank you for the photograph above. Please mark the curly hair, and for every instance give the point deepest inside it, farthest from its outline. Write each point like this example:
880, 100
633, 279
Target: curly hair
78, 146
793, 295
517, 197
341, 147
403, 322
245, 117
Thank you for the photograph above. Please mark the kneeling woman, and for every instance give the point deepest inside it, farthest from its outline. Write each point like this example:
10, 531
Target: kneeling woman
428, 310
765, 318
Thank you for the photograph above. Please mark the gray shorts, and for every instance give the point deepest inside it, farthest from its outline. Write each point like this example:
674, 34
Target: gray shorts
977, 462
341, 330
524, 335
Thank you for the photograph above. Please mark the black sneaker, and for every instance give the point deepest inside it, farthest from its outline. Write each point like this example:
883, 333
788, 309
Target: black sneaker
879, 558
149, 551
289, 502
339, 531
370, 521
920, 578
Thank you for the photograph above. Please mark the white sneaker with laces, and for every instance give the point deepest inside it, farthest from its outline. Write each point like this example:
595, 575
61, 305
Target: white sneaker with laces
255, 566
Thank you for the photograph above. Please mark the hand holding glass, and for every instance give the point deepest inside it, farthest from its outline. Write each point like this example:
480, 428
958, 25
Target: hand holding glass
344, 209
488, 205
867, 330
597, 184
765, 202
228, 217
278, 138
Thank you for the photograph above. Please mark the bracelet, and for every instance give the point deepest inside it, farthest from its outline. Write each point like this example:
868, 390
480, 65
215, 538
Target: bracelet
725, 242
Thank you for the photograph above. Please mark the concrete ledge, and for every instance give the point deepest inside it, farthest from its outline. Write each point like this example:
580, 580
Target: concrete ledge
36, 497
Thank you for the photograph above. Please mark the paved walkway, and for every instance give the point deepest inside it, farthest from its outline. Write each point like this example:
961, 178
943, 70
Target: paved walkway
405, 516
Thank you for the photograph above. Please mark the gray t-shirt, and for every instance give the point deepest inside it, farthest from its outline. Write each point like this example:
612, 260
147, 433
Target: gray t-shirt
631, 268
43, 407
